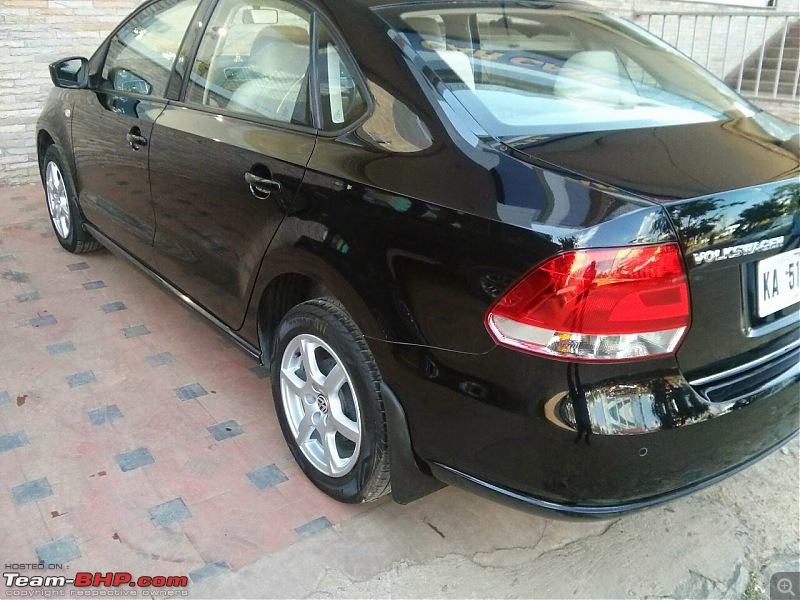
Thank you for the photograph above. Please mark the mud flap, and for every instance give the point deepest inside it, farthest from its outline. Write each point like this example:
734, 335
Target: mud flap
409, 481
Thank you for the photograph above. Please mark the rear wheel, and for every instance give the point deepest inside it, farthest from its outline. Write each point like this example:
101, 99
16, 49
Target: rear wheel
62, 205
326, 388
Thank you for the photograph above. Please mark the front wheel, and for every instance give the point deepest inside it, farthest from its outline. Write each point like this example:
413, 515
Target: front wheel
62, 205
326, 388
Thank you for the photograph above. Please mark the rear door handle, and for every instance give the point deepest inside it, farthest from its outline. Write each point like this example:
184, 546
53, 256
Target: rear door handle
261, 186
136, 139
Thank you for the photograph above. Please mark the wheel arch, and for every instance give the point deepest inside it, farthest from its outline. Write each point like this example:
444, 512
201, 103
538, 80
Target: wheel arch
54, 128
293, 275
43, 141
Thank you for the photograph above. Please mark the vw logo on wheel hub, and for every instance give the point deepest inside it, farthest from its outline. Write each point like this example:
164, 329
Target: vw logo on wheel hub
322, 403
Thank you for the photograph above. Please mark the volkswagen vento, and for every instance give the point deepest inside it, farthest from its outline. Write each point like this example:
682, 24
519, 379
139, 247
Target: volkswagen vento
524, 247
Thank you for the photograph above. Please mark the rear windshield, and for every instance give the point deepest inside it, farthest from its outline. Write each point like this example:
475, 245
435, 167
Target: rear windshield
523, 70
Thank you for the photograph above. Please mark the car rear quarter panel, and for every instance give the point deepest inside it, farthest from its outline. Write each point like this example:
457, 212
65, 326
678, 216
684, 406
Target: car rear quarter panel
427, 270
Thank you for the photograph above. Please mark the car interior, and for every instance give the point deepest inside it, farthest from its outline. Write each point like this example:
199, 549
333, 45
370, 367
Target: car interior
275, 74
256, 63
474, 52
542, 70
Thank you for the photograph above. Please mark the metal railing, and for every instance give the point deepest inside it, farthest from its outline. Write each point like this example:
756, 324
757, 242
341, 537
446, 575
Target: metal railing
755, 52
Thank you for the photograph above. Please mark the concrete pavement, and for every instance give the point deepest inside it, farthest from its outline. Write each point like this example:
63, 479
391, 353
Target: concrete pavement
717, 543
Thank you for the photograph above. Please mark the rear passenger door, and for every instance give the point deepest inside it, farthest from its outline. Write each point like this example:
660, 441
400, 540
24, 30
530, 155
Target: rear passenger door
227, 160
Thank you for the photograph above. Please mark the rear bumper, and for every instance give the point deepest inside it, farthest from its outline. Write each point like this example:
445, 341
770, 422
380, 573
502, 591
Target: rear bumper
549, 509
553, 437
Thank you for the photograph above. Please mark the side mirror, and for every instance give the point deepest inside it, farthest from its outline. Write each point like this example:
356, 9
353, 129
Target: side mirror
71, 73
124, 80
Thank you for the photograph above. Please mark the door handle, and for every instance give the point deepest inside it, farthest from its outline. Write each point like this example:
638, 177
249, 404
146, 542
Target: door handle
261, 187
136, 139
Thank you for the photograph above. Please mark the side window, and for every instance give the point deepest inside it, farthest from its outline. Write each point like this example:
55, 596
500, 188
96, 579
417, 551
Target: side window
341, 99
141, 54
254, 59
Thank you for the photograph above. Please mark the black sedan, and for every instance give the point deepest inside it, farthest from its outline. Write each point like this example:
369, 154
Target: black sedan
524, 247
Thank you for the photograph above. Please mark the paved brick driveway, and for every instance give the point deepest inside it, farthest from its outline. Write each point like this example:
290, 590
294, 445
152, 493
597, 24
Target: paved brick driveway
132, 435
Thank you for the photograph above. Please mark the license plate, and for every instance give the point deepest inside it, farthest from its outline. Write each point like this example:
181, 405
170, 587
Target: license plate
778, 282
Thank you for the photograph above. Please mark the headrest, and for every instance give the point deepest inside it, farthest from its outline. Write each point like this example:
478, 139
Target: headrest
593, 75
281, 57
427, 27
273, 33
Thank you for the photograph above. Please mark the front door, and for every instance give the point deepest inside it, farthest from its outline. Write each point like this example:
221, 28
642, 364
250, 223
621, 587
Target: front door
112, 124
227, 161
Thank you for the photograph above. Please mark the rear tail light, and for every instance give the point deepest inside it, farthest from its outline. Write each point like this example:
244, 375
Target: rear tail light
597, 305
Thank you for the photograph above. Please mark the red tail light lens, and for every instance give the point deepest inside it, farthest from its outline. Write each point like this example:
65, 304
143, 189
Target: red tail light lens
602, 304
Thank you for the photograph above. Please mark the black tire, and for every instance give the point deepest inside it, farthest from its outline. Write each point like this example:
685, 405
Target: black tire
77, 240
326, 319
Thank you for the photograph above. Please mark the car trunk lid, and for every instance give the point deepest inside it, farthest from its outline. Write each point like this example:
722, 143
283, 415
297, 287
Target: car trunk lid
743, 262
732, 193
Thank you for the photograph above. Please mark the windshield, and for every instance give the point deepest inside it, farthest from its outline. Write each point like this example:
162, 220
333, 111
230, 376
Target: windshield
523, 70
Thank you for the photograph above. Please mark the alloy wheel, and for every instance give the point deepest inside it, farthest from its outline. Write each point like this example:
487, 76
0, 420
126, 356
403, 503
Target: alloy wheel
321, 405
57, 200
